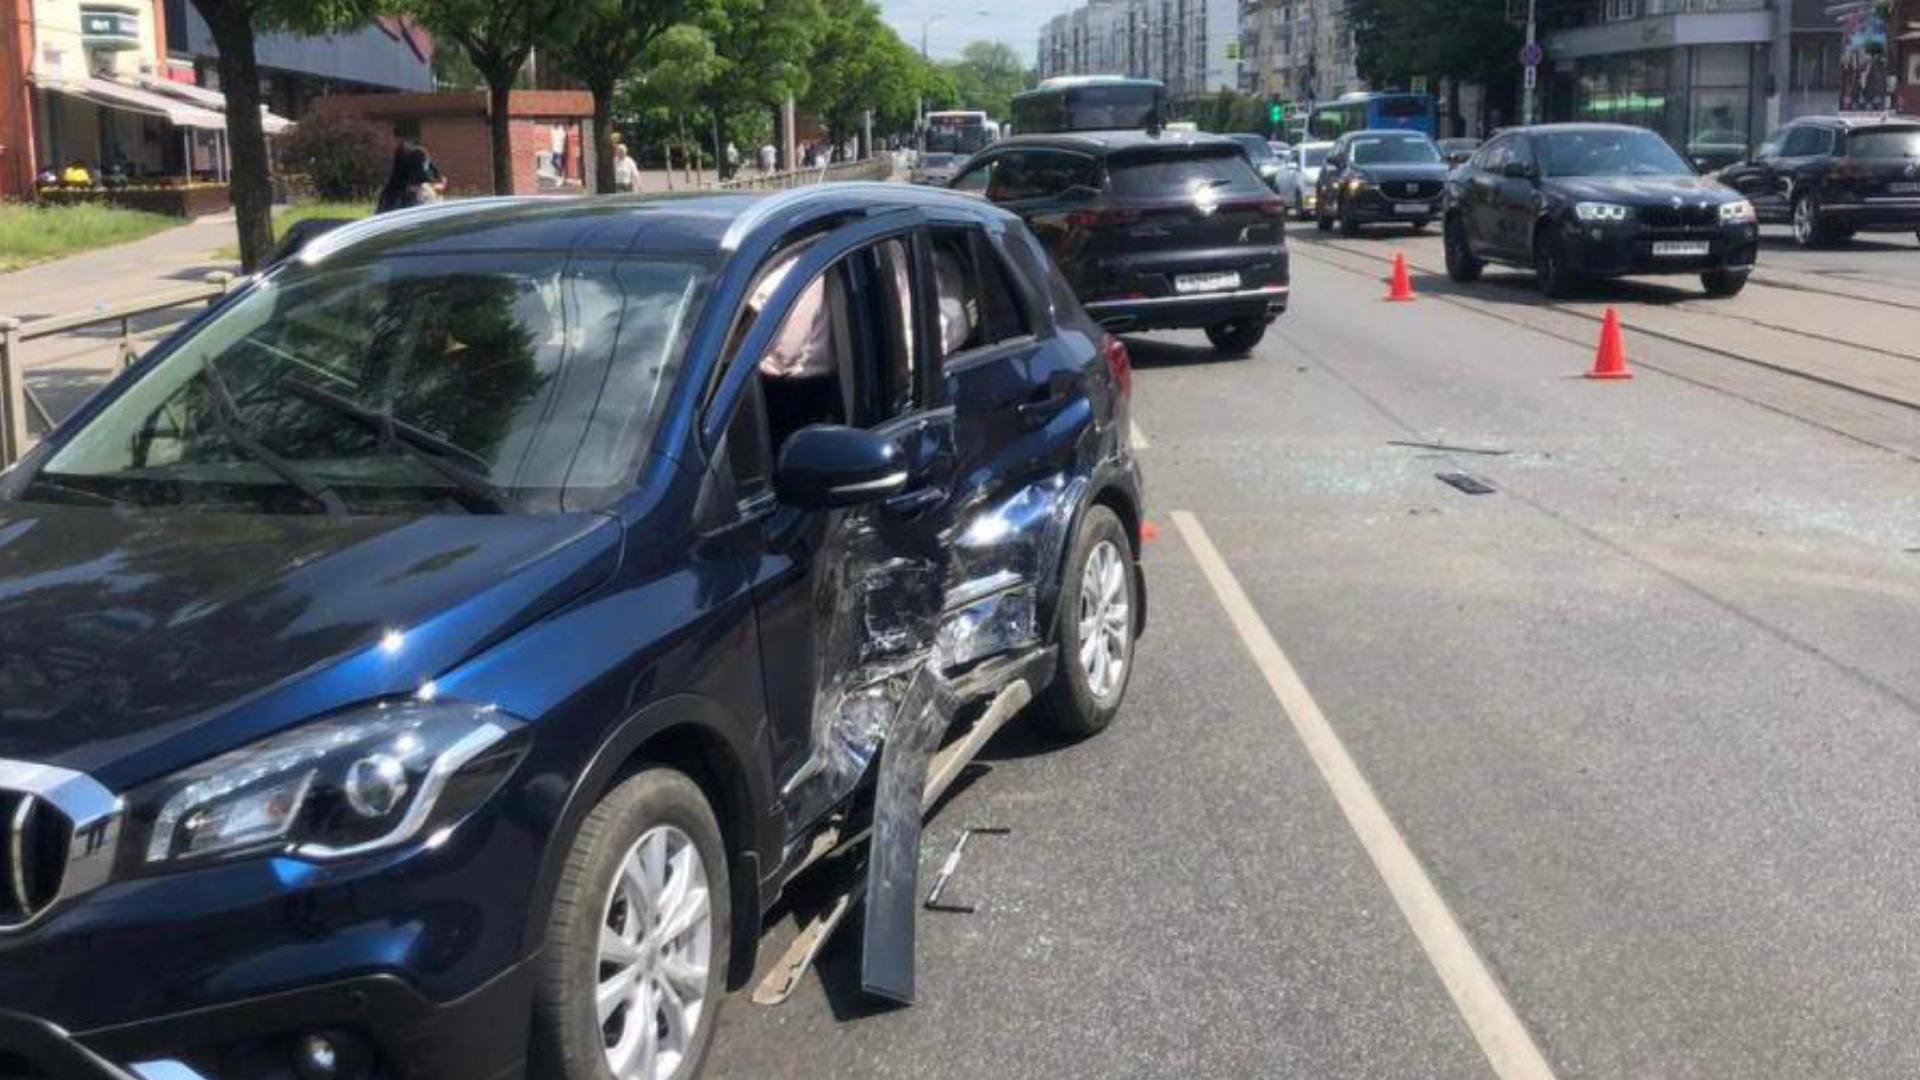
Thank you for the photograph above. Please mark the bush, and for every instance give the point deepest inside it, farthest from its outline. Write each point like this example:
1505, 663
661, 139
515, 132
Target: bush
345, 157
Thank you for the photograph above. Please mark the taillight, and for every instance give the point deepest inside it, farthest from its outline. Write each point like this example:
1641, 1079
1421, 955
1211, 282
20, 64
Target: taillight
1111, 216
1115, 352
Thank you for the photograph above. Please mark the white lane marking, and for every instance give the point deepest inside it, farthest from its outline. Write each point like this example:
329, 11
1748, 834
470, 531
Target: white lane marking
1136, 437
1482, 1004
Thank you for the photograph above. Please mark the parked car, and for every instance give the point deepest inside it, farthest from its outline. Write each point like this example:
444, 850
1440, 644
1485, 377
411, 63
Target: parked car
1456, 151
439, 655
1261, 155
1299, 179
1154, 232
1582, 201
935, 169
1831, 177
1380, 177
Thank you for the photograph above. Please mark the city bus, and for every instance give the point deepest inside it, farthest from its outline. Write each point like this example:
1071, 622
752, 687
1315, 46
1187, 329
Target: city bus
964, 132
1363, 111
1090, 103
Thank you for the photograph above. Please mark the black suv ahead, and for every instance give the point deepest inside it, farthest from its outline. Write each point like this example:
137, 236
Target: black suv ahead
1581, 201
1156, 232
1377, 177
1831, 177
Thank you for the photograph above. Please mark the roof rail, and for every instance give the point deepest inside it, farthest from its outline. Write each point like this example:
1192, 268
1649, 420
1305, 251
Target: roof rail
880, 192
346, 236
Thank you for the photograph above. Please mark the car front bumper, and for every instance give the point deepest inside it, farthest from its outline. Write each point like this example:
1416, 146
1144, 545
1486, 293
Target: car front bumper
1373, 206
416, 959
1628, 248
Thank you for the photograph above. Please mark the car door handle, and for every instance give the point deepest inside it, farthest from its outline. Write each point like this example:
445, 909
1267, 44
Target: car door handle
915, 502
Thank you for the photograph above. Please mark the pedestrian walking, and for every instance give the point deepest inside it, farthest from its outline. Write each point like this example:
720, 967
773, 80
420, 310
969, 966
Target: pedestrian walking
767, 157
626, 171
413, 179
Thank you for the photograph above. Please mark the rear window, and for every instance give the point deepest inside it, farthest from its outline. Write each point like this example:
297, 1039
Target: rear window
1887, 142
1314, 156
1170, 176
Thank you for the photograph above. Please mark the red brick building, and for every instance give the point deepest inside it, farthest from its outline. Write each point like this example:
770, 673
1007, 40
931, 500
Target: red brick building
552, 144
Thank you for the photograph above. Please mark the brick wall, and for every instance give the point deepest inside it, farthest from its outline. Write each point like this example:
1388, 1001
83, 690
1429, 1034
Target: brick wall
453, 128
459, 146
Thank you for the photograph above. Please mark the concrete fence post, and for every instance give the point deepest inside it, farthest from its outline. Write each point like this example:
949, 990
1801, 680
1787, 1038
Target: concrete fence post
13, 394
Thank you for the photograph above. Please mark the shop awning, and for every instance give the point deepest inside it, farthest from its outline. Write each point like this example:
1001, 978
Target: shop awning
209, 99
115, 95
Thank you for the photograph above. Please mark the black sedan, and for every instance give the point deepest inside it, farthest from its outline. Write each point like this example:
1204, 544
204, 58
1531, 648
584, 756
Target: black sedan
1581, 201
1375, 177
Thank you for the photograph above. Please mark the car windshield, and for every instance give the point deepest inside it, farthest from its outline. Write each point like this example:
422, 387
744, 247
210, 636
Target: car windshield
937, 161
1393, 150
1608, 152
1170, 176
399, 385
1887, 142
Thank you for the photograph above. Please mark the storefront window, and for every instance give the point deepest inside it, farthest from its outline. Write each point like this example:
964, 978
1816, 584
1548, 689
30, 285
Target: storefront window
1719, 110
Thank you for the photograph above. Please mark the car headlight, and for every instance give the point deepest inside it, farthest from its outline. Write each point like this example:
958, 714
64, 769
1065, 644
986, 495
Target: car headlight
1355, 183
1599, 212
1738, 212
367, 779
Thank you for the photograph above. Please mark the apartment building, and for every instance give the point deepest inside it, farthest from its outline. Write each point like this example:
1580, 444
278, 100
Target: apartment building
1191, 45
1297, 50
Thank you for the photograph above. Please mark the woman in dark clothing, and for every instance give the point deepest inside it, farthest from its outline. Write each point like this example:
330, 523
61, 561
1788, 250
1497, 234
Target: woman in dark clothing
411, 179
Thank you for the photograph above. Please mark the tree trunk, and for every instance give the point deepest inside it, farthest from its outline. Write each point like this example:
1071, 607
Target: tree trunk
603, 135
667, 148
1453, 108
500, 128
231, 23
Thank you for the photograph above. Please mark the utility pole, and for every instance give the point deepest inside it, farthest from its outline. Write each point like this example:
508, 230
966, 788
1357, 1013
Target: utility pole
1531, 60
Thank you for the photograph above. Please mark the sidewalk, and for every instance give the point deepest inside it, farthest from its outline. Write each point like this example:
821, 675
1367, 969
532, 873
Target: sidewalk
162, 262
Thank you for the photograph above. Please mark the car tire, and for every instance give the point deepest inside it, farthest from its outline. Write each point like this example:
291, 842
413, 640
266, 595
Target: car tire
1724, 283
1461, 265
1808, 230
660, 824
1322, 220
1349, 225
1085, 694
1551, 267
1237, 338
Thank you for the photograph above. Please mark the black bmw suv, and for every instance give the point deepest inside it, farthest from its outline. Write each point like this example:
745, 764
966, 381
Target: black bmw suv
1156, 232
1582, 201
1832, 176
1379, 177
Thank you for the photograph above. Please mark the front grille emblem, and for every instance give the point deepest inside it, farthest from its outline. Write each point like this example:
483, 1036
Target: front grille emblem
59, 832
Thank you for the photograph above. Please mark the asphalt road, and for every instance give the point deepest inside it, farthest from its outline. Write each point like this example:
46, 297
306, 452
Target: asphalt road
1644, 716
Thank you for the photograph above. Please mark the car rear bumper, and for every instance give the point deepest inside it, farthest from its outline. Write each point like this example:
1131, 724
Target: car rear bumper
378, 1026
1176, 312
1608, 251
1891, 215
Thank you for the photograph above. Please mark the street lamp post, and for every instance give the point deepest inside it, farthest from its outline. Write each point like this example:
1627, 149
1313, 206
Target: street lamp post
924, 59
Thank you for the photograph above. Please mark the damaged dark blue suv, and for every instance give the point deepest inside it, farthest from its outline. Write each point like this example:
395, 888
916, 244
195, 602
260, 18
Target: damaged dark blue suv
433, 661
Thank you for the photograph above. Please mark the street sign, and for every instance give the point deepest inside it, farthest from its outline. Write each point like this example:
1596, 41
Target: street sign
1532, 77
1418, 85
1531, 54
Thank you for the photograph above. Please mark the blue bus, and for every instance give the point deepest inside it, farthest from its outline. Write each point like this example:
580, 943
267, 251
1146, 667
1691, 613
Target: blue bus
1362, 111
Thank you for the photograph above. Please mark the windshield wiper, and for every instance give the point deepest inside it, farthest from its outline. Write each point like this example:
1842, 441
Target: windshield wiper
234, 427
465, 468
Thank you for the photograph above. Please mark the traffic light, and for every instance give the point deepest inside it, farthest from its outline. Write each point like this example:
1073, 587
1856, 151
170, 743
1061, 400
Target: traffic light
1276, 113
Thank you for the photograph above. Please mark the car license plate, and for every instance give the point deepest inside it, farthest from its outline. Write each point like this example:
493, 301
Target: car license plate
1681, 248
1195, 283
1904, 188
1412, 208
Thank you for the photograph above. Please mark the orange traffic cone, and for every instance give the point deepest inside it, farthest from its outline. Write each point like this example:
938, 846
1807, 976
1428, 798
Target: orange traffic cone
1610, 361
1402, 288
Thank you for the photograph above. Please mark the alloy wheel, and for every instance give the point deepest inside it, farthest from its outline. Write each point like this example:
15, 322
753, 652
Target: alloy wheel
1105, 620
1803, 222
656, 949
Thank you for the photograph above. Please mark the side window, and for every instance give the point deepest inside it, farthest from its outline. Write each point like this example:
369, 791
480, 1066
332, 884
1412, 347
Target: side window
897, 347
977, 179
805, 374
1051, 172
1771, 147
977, 305
1520, 152
1494, 155
1009, 178
1822, 142
1802, 142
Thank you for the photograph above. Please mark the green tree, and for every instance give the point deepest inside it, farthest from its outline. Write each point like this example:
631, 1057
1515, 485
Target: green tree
859, 63
234, 25
986, 77
761, 48
678, 67
1457, 40
608, 46
498, 36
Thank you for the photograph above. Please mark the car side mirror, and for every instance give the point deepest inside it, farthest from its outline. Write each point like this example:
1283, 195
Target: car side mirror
827, 465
